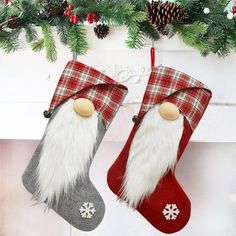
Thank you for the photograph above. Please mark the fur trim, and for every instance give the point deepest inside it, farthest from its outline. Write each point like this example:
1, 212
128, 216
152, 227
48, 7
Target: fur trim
152, 154
66, 153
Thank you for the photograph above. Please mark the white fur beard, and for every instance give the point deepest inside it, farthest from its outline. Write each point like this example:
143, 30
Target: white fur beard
152, 154
66, 153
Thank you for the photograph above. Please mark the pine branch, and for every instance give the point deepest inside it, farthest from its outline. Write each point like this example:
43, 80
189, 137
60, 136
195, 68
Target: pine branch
192, 35
224, 2
149, 31
170, 30
232, 35
135, 39
141, 4
30, 33
38, 45
9, 40
62, 30
222, 46
49, 42
3, 14
77, 39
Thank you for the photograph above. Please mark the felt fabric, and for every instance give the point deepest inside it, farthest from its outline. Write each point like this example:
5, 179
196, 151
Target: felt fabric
168, 208
82, 206
84, 191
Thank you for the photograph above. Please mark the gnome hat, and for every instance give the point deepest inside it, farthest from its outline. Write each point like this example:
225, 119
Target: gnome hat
82, 81
169, 85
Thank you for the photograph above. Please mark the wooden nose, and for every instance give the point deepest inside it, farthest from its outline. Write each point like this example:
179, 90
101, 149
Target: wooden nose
83, 107
169, 111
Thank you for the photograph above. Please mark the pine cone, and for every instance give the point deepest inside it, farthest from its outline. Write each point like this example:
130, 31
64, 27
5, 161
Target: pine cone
163, 13
55, 11
14, 22
101, 31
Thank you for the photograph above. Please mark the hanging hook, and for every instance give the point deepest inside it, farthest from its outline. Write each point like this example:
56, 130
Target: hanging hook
75, 54
152, 53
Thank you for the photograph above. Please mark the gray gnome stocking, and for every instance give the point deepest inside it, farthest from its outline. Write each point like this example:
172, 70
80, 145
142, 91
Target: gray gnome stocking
58, 173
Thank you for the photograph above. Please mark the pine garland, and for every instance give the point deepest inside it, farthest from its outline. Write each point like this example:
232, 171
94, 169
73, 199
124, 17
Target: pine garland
209, 33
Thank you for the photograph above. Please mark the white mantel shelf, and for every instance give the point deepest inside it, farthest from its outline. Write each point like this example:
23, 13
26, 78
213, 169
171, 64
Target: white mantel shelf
27, 82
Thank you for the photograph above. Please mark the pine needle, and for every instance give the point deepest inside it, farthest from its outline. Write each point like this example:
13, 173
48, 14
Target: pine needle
77, 39
30, 33
135, 39
38, 45
49, 42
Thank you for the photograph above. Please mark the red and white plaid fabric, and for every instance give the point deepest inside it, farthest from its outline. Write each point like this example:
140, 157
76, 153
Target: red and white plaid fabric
79, 80
187, 93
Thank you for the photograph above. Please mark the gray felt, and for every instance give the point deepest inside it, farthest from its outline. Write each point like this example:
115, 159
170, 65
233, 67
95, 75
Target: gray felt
84, 191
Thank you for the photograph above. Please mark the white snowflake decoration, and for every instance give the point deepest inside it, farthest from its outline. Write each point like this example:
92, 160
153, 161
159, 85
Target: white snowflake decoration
87, 210
171, 211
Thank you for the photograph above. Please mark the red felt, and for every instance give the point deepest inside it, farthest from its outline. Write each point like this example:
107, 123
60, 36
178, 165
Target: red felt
167, 192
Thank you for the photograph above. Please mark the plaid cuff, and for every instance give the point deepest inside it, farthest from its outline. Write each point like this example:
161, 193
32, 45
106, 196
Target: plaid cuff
79, 80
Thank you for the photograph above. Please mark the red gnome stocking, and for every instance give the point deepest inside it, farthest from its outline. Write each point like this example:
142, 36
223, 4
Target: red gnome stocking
143, 174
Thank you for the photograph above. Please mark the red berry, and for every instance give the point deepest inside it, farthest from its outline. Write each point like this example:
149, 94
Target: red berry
89, 17
0, 28
6, 2
234, 9
70, 7
95, 18
90, 21
76, 18
68, 13
71, 20
65, 12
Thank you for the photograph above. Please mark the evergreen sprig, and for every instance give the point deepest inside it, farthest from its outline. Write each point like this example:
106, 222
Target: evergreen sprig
135, 39
49, 42
30, 33
9, 41
77, 40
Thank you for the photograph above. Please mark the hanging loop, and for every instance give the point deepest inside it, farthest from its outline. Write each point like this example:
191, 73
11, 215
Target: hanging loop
75, 55
152, 54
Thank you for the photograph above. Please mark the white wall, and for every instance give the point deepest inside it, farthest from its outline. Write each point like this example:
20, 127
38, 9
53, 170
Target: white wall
206, 172
27, 82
